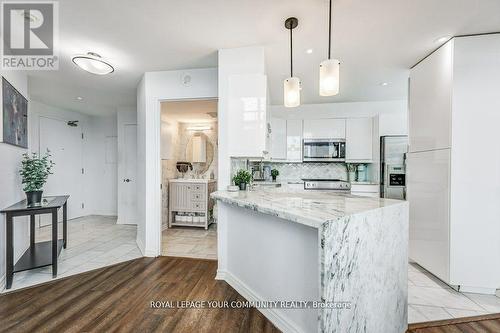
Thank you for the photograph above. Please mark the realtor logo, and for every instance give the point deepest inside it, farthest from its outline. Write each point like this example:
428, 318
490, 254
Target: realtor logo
30, 35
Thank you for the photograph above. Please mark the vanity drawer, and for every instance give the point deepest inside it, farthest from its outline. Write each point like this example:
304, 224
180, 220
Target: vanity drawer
198, 205
197, 187
197, 196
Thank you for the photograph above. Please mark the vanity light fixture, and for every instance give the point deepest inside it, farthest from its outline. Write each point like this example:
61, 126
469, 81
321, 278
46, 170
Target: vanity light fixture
291, 86
329, 69
199, 128
92, 63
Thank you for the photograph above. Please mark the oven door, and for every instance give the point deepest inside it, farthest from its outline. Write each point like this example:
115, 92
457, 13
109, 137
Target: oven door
323, 150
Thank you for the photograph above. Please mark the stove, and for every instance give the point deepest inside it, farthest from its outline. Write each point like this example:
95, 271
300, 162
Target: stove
336, 185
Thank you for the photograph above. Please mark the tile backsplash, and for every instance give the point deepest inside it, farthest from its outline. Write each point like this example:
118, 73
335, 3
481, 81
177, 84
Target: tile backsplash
297, 171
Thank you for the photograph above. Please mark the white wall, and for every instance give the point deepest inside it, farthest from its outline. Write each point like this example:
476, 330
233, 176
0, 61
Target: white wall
10, 181
153, 88
99, 181
101, 176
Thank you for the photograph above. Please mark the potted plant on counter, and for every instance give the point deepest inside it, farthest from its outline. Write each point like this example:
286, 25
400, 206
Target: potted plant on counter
34, 173
274, 173
242, 178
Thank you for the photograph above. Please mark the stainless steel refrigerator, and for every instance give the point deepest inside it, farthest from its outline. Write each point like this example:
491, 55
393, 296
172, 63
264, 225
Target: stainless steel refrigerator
393, 151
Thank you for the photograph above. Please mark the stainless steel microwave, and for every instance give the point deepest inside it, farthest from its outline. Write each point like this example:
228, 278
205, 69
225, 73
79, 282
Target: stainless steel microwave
324, 150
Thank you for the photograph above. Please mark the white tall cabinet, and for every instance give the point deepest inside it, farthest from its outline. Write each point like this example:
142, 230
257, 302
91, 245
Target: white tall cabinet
453, 164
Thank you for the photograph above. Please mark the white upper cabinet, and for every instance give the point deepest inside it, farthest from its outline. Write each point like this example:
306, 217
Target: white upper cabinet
247, 122
430, 101
294, 139
324, 128
359, 140
278, 138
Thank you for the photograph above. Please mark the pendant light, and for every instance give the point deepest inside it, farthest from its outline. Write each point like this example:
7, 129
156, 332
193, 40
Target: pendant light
329, 70
291, 86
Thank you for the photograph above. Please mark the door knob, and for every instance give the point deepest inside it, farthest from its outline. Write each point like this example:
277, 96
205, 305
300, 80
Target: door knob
126, 180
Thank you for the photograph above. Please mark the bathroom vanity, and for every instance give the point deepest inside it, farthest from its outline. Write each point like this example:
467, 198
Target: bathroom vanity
190, 203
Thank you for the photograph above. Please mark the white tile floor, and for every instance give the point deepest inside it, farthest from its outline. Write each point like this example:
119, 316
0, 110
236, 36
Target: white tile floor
430, 299
190, 242
93, 242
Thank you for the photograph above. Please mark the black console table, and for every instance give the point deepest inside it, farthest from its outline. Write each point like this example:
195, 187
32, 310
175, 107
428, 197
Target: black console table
38, 254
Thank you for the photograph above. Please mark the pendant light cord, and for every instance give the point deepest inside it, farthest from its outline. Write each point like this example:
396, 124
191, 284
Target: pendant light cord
330, 31
291, 53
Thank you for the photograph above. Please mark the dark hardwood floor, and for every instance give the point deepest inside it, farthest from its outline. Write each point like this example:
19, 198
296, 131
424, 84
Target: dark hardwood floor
118, 299
479, 324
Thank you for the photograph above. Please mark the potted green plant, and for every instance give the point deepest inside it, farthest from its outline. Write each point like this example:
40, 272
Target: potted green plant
274, 173
242, 178
34, 173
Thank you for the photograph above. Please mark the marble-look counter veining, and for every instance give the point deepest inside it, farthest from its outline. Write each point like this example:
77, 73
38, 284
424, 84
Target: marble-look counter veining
312, 208
362, 254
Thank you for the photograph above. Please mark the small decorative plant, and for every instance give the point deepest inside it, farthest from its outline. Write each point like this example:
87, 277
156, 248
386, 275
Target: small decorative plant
242, 178
274, 173
34, 172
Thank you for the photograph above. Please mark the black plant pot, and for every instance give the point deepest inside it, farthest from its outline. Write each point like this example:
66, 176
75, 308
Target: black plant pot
34, 198
274, 178
243, 186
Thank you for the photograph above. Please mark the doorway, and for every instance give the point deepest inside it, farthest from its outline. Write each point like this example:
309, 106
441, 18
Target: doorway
189, 150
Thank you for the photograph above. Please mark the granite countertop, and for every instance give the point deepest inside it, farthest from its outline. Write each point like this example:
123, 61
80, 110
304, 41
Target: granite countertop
191, 180
311, 208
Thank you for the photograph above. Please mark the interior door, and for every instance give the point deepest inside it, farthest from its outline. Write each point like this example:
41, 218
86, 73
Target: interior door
66, 147
127, 202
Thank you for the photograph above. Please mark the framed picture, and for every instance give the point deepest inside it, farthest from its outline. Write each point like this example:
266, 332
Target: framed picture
14, 116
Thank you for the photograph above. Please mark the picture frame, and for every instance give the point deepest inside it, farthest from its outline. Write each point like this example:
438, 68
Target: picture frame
13, 116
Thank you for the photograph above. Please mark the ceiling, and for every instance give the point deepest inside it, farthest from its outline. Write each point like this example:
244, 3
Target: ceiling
192, 112
376, 41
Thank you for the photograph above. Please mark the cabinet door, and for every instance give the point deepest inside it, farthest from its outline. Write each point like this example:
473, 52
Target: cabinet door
428, 192
180, 197
359, 140
430, 97
324, 128
294, 139
247, 122
278, 138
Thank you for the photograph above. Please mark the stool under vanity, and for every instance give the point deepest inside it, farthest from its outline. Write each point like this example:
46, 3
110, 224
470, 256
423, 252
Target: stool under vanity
189, 203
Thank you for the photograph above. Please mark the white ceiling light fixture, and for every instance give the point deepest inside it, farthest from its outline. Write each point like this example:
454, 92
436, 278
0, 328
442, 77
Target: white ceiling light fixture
309, 51
384, 84
442, 39
79, 98
291, 86
92, 63
329, 69
199, 128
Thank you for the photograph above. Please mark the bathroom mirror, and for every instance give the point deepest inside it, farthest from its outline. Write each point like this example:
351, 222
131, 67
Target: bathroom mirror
200, 152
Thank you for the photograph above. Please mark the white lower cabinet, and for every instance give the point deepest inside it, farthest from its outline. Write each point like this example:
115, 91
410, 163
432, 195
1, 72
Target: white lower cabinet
366, 190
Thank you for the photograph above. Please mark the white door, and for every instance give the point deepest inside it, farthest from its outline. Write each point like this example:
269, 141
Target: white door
294, 139
127, 192
359, 140
66, 147
324, 128
278, 139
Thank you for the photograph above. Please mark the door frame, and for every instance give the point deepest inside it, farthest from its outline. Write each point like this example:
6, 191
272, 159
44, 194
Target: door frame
157, 199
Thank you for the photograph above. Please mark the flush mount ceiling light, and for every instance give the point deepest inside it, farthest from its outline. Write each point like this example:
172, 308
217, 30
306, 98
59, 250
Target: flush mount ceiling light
442, 39
93, 63
309, 51
79, 98
384, 84
199, 128
291, 86
329, 69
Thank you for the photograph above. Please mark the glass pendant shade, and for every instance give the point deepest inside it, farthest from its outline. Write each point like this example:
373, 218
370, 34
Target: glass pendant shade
291, 89
329, 77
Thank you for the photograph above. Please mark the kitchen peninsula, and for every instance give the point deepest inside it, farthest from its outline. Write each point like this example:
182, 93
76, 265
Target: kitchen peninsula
346, 253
